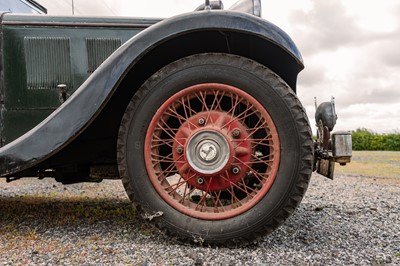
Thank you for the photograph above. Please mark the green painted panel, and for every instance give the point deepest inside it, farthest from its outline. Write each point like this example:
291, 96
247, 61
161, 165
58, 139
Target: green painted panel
31, 76
48, 62
98, 49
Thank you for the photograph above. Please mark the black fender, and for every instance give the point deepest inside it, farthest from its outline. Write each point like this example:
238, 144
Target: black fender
79, 112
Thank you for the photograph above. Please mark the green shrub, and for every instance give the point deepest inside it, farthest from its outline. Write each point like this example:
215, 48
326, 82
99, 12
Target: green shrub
367, 140
392, 142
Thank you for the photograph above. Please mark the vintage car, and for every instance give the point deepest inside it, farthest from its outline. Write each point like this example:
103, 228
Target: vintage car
197, 114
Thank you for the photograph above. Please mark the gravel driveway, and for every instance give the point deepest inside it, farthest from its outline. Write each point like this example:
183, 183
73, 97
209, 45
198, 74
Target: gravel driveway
351, 220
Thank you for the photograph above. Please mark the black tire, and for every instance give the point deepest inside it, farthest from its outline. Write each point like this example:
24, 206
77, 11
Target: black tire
292, 126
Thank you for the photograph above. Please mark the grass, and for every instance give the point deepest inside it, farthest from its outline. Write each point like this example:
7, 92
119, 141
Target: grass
24, 221
29, 208
373, 163
67, 211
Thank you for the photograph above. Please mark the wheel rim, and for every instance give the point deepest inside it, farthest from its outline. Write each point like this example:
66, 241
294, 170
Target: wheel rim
212, 151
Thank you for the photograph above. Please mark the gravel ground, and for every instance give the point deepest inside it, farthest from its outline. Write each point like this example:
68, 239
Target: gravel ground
351, 220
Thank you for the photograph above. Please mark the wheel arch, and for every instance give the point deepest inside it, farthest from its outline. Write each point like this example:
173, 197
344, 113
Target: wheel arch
228, 32
93, 112
231, 41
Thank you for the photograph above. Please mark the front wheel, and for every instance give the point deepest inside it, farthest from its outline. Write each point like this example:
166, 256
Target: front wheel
219, 145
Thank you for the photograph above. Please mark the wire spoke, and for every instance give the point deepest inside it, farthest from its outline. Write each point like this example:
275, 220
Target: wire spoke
242, 116
169, 134
162, 157
220, 100
179, 184
235, 104
254, 172
191, 111
218, 204
202, 199
187, 195
255, 129
209, 117
203, 102
161, 142
175, 113
163, 172
184, 108
255, 142
235, 200
232, 184
267, 158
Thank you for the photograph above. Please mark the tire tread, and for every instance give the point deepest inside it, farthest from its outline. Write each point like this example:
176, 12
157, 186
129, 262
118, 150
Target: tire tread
287, 95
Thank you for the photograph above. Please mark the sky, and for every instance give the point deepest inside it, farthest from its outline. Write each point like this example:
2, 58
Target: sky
350, 49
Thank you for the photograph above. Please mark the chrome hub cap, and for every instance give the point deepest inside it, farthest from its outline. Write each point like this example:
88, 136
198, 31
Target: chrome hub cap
208, 152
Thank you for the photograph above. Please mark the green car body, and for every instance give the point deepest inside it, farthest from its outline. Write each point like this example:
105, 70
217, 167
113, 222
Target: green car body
39, 53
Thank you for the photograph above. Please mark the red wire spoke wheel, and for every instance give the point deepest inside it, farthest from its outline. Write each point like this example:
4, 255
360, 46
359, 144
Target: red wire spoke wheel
215, 148
212, 151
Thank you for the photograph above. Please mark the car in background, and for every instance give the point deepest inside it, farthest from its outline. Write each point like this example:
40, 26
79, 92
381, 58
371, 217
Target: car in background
22, 6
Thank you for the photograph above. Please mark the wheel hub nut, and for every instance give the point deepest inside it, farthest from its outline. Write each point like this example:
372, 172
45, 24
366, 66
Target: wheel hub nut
202, 121
179, 150
236, 133
200, 180
235, 170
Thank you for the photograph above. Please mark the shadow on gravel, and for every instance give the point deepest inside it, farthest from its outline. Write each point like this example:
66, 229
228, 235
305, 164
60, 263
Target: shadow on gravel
48, 212
45, 213
309, 225
38, 219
